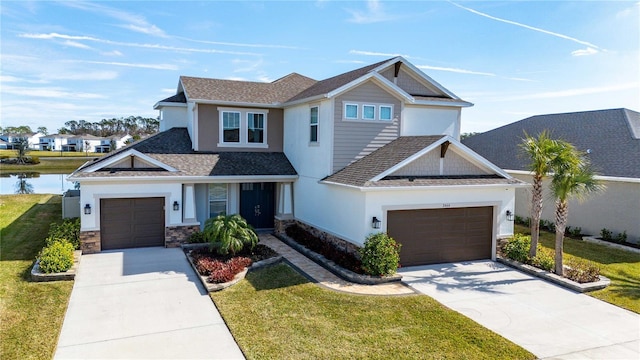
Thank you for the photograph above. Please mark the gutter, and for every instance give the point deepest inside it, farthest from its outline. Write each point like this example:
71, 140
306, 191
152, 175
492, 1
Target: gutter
597, 177
427, 187
187, 179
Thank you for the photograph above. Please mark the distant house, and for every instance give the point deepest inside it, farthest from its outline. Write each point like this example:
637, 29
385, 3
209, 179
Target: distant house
611, 139
12, 139
53, 142
113, 142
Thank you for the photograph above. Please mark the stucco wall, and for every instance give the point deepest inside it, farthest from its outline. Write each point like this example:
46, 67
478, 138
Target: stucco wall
430, 120
173, 116
617, 208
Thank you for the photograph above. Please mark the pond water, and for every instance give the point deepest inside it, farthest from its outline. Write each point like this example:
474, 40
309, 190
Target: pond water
34, 183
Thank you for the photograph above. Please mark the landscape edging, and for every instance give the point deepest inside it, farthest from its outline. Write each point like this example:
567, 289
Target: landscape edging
211, 287
593, 240
337, 269
39, 276
558, 280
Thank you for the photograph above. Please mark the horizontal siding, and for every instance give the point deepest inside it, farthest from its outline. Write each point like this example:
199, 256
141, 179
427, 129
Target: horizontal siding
355, 139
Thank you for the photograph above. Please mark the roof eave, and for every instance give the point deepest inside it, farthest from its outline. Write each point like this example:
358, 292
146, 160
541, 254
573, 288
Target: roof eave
305, 100
460, 103
276, 105
188, 178
424, 187
168, 104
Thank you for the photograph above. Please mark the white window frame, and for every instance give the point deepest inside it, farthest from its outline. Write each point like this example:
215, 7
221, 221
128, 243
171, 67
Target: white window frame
244, 128
390, 112
357, 111
222, 126
226, 200
374, 111
316, 124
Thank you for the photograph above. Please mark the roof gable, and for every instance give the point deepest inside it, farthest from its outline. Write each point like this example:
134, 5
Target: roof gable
610, 137
129, 159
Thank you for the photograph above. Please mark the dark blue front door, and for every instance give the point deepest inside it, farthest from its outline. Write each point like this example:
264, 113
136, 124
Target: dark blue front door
257, 204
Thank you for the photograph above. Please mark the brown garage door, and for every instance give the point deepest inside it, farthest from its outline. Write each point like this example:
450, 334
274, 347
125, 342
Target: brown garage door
432, 236
127, 223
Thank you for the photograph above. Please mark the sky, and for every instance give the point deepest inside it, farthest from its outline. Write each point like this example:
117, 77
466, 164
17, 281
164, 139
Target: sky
81, 60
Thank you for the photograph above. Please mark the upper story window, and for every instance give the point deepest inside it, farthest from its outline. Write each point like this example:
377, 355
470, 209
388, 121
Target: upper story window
230, 126
351, 111
255, 128
243, 128
313, 124
368, 112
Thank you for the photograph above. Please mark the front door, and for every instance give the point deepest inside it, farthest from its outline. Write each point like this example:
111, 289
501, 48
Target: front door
257, 204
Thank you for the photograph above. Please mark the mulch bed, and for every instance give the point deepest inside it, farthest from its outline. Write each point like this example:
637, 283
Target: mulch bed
223, 268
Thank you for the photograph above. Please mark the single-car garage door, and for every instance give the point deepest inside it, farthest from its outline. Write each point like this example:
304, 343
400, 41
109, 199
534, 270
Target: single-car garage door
432, 236
127, 223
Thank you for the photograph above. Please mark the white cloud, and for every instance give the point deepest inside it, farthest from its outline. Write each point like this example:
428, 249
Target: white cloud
573, 92
168, 91
137, 45
274, 46
374, 14
139, 65
80, 75
562, 36
9, 78
111, 53
373, 53
76, 44
133, 22
246, 65
585, 52
50, 92
349, 62
455, 70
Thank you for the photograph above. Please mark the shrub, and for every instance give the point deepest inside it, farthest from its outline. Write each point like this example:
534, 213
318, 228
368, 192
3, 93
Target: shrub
582, 271
34, 160
68, 230
237, 264
222, 274
229, 234
606, 234
544, 259
576, 232
315, 244
622, 237
205, 265
380, 255
197, 238
57, 257
522, 221
517, 248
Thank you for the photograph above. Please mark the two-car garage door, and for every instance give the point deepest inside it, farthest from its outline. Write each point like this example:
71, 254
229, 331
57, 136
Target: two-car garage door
431, 236
128, 223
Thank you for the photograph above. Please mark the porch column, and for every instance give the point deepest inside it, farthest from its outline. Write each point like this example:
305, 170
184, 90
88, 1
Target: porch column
285, 200
188, 203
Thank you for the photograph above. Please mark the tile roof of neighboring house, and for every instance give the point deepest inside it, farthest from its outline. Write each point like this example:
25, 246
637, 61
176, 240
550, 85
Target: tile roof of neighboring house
612, 138
332, 83
173, 148
360, 172
272, 93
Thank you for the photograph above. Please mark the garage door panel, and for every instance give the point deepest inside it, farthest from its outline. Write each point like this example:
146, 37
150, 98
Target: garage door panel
127, 223
431, 236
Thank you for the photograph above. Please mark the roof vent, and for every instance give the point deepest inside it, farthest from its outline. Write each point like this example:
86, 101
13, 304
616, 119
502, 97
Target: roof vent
588, 151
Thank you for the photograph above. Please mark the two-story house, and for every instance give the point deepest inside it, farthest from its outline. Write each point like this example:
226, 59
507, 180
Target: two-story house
373, 149
11, 140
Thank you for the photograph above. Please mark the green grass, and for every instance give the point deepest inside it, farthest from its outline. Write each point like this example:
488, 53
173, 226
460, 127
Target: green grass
622, 267
275, 313
47, 165
31, 314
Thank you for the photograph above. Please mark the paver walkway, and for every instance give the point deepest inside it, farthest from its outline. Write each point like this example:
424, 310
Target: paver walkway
326, 278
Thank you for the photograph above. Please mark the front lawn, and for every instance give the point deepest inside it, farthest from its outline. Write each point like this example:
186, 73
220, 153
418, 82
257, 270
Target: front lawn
31, 314
622, 267
276, 313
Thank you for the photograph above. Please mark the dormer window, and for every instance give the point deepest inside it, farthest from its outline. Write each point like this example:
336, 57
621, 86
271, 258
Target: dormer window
243, 128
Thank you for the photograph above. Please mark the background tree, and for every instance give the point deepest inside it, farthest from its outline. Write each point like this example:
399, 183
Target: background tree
572, 179
468, 135
22, 149
43, 130
23, 129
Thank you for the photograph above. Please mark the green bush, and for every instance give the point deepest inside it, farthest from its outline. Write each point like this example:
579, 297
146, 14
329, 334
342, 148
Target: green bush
582, 271
197, 238
622, 237
34, 160
57, 257
68, 230
380, 255
606, 234
544, 259
517, 248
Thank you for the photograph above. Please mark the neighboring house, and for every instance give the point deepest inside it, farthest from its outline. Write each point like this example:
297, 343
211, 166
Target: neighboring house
113, 142
611, 141
373, 149
12, 139
4, 145
83, 142
54, 142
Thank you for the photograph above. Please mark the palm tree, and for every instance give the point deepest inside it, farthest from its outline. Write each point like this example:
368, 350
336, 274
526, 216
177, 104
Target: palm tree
570, 180
544, 153
229, 233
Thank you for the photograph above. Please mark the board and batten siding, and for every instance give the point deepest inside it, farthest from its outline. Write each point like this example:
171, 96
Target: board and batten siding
354, 139
409, 83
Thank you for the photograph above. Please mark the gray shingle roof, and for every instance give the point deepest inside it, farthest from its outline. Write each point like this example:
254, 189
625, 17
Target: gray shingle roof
173, 148
177, 98
271, 93
611, 136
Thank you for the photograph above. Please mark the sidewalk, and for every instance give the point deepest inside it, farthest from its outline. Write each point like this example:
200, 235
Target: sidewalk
326, 278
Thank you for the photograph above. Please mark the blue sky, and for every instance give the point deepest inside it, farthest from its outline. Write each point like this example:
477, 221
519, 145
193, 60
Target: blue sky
63, 60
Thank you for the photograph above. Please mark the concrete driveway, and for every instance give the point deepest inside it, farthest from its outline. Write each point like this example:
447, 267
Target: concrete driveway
142, 303
547, 320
